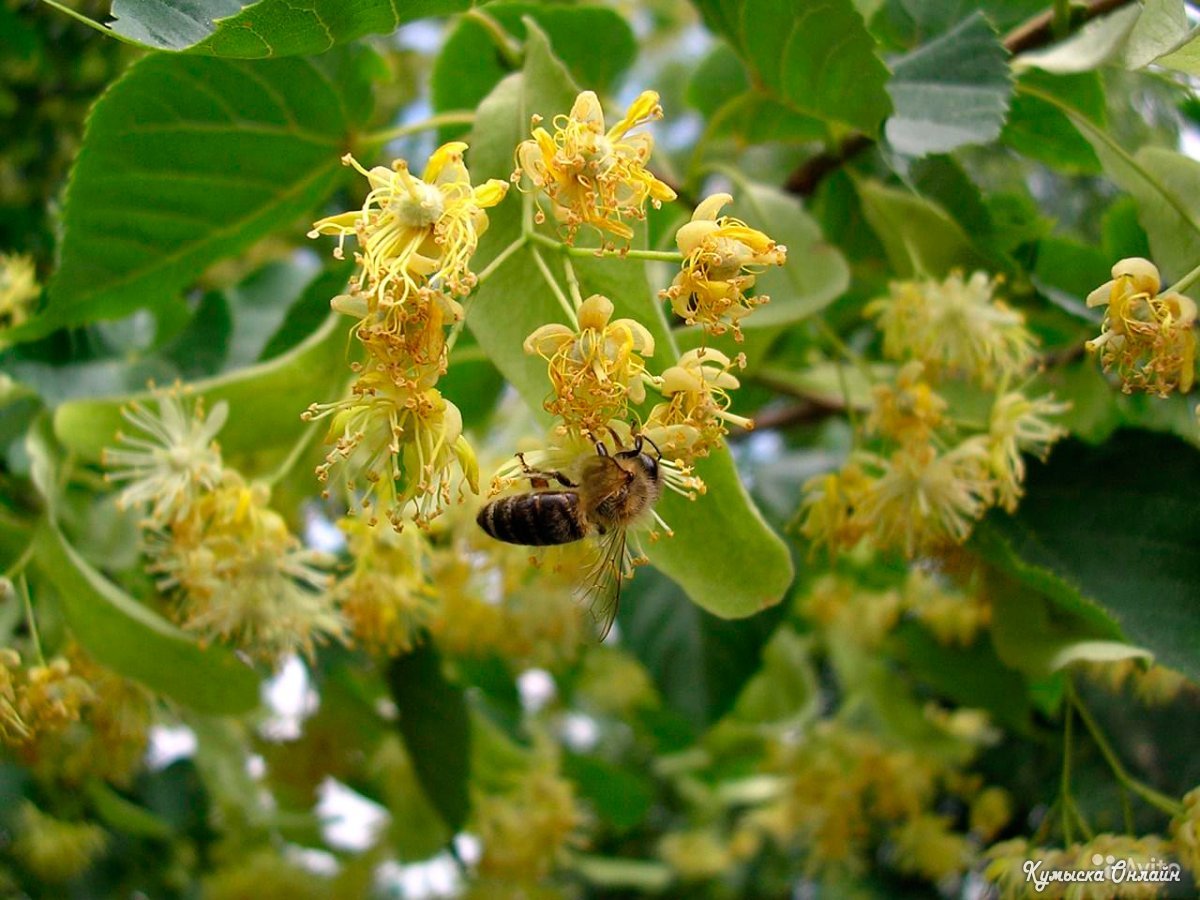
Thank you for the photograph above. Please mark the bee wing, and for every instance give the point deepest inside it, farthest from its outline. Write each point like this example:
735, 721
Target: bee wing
601, 588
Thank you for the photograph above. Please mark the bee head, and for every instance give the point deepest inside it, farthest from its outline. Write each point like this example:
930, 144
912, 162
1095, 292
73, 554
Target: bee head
648, 463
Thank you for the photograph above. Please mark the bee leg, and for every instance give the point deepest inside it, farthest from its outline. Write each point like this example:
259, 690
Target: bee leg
541, 479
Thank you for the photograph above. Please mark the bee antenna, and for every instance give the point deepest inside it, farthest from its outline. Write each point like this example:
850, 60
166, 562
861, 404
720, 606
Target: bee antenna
648, 440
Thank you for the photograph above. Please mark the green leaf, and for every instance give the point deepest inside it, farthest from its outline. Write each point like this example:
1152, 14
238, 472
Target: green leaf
265, 403
950, 92
699, 662
1186, 58
918, 236
514, 301
1096, 43
1109, 533
267, 28
620, 874
784, 691
817, 58
1161, 27
138, 643
621, 798
574, 31
432, 719
1162, 183
1042, 131
189, 160
815, 274
124, 815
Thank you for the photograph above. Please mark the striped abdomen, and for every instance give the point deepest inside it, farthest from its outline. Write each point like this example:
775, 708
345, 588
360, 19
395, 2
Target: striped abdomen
536, 520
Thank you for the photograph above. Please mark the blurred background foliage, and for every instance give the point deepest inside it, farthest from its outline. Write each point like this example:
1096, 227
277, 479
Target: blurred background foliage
883, 728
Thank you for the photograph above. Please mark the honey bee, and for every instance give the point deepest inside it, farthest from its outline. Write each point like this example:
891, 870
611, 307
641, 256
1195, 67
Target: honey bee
612, 492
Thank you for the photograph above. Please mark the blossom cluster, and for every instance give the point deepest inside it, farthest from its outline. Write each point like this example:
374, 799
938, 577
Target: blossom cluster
921, 476
1147, 336
395, 440
233, 568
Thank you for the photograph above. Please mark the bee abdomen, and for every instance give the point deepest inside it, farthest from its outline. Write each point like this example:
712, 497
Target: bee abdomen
535, 520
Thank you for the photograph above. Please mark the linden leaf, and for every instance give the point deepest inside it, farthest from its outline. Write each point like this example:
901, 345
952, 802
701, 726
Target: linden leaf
917, 235
817, 58
265, 403
137, 642
189, 160
249, 30
951, 91
1108, 535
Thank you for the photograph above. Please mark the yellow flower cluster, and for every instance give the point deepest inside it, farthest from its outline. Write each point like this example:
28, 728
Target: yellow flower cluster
1008, 861
847, 794
19, 289
1185, 833
596, 369
56, 850
922, 484
526, 829
38, 701
954, 326
395, 439
691, 419
388, 598
721, 257
492, 601
237, 571
592, 176
1148, 337
1153, 685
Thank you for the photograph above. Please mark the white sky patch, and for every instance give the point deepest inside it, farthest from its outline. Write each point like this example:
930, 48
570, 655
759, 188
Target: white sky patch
322, 534
349, 821
291, 699
537, 689
1189, 141
579, 732
169, 743
317, 861
436, 877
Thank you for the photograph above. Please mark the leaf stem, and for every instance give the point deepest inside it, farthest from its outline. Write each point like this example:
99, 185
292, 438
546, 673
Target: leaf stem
1186, 281
599, 252
299, 448
572, 282
1064, 785
30, 620
506, 45
22, 561
500, 259
554, 287
455, 117
1157, 799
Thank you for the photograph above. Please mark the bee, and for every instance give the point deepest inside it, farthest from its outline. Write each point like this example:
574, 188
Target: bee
612, 492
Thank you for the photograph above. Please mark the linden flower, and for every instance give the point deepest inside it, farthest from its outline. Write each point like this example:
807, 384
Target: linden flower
693, 417
55, 850
921, 498
415, 231
595, 370
910, 411
927, 846
13, 729
527, 830
173, 457
1020, 424
244, 578
51, 697
1185, 832
18, 289
954, 326
401, 442
593, 177
1149, 338
721, 258
388, 600
830, 504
